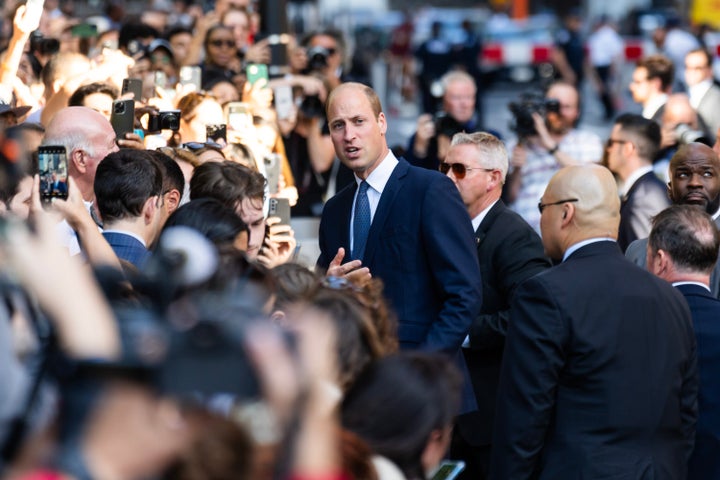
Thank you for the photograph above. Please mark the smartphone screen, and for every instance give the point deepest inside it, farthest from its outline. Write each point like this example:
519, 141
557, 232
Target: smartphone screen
216, 133
284, 101
52, 163
133, 85
255, 72
448, 470
122, 117
239, 117
190, 76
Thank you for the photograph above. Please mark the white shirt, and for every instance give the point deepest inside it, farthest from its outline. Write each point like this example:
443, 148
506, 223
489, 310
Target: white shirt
481, 216
697, 92
653, 105
605, 46
577, 246
377, 180
67, 236
627, 185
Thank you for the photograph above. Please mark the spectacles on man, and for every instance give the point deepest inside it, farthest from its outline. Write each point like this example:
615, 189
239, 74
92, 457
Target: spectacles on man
542, 206
459, 169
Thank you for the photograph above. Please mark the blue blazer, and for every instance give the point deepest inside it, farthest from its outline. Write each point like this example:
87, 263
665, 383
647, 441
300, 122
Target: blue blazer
421, 245
705, 311
128, 248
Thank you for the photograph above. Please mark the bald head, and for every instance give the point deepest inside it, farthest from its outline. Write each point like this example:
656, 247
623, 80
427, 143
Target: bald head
88, 137
678, 110
593, 212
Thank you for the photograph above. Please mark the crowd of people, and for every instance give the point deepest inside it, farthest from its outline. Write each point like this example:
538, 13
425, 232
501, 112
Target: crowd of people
540, 307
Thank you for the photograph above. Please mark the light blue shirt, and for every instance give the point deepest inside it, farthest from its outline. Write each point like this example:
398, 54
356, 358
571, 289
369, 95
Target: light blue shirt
377, 180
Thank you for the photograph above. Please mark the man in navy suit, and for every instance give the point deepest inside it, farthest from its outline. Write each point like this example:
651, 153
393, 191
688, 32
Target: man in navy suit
633, 143
409, 228
129, 195
599, 374
509, 252
683, 249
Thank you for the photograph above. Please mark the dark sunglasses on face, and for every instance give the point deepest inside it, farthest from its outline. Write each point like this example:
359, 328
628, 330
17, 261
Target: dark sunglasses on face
458, 169
222, 43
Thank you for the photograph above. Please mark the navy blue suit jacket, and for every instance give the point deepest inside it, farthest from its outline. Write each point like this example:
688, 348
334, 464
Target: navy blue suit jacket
128, 248
705, 310
422, 246
599, 375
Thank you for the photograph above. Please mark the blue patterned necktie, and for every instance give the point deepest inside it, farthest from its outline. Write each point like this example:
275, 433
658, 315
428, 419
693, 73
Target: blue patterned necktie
361, 222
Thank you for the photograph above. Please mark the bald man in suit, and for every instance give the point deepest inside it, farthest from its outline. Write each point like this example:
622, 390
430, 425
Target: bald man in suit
599, 374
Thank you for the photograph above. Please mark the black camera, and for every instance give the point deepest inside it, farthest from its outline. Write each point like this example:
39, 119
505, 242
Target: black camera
446, 125
312, 107
522, 123
168, 120
42, 45
317, 58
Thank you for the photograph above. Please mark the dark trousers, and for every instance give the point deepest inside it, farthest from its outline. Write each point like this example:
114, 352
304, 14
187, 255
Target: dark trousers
477, 459
603, 74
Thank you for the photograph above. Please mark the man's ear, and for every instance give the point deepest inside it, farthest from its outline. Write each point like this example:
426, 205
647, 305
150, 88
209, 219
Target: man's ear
495, 180
568, 213
77, 158
172, 198
149, 209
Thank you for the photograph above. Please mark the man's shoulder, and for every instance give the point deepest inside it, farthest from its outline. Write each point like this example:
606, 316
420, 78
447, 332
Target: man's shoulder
649, 184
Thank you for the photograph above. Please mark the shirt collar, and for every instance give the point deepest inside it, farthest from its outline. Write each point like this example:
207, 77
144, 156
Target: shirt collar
627, 185
379, 177
699, 284
481, 216
653, 105
577, 246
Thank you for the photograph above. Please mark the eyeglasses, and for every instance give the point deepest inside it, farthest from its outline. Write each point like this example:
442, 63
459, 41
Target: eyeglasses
541, 206
222, 43
459, 170
613, 141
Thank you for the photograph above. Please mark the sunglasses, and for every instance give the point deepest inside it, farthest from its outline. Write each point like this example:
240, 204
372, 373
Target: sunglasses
459, 170
543, 206
222, 43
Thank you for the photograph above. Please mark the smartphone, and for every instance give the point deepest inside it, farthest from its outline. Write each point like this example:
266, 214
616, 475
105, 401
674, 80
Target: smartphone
239, 116
255, 72
272, 171
448, 470
284, 101
280, 207
122, 117
34, 9
160, 79
216, 133
53, 166
133, 85
191, 76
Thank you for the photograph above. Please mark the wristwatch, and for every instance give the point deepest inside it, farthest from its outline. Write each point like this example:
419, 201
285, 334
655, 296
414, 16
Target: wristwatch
554, 149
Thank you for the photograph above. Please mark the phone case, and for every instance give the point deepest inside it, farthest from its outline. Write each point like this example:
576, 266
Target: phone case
122, 117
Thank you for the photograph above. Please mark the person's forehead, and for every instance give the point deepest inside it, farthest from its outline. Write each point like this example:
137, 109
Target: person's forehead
564, 94
696, 159
459, 86
323, 40
696, 57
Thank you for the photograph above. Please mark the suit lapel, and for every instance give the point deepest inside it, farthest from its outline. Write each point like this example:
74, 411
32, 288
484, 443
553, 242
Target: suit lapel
488, 222
346, 198
383, 210
635, 186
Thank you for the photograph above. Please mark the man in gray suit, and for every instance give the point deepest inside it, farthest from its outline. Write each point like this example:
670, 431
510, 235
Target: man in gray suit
704, 94
694, 180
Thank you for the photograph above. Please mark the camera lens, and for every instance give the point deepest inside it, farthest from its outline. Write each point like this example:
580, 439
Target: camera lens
119, 108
